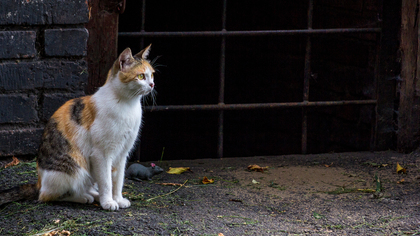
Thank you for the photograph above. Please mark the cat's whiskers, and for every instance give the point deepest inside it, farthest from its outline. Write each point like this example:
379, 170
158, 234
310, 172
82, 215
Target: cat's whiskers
152, 96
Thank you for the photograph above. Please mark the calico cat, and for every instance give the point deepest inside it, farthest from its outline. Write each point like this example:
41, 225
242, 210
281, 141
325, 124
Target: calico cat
88, 139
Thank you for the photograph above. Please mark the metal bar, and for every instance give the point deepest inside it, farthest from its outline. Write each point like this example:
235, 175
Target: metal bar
306, 77
222, 83
143, 23
376, 72
137, 151
248, 106
249, 33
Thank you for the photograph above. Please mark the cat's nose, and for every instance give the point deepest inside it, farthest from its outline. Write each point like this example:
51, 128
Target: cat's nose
152, 85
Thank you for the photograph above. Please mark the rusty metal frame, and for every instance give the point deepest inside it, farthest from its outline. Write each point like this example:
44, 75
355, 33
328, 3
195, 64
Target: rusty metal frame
223, 34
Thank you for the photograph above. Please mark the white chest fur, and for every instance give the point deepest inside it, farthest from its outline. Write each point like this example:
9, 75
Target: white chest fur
117, 123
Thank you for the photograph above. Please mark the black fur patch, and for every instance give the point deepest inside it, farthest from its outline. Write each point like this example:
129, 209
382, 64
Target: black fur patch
66, 195
76, 110
54, 149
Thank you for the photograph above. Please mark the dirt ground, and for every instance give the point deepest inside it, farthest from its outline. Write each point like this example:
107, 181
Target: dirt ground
325, 194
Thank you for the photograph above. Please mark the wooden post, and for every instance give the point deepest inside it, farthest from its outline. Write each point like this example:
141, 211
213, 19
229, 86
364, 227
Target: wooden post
102, 43
409, 48
386, 69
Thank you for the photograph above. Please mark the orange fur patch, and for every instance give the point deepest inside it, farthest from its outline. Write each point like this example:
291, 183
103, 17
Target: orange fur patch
89, 112
44, 197
38, 183
139, 67
68, 127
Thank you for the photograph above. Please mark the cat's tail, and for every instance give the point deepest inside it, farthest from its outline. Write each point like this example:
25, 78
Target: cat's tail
26, 191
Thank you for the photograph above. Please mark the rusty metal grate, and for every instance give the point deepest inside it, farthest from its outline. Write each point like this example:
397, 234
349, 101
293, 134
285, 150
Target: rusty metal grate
223, 34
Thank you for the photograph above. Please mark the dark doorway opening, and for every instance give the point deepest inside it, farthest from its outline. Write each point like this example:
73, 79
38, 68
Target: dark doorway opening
315, 64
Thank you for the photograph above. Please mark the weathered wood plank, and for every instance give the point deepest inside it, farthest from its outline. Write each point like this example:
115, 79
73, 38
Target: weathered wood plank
102, 43
409, 37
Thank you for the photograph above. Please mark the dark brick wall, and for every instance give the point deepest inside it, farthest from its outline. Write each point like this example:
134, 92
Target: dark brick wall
43, 47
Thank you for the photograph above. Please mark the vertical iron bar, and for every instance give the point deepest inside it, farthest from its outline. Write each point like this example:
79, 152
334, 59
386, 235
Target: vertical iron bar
222, 83
143, 23
307, 75
376, 73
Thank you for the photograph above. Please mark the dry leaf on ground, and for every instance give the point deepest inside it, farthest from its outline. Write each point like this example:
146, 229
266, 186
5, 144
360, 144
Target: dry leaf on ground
207, 181
401, 169
177, 170
12, 163
329, 165
257, 168
58, 233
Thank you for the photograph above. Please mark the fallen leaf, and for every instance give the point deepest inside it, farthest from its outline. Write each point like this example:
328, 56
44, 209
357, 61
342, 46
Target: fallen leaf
207, 181
257, 168
58, 233
169, 184
255, 182
401, 181
65, 232
401, 169
177, 170
12, 163
56, 221
329, 164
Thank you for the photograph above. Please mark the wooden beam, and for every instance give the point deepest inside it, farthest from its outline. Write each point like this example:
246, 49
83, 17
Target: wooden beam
102, 43
409, 48
386, 70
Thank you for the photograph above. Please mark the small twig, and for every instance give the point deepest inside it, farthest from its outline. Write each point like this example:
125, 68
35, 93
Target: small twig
148, 200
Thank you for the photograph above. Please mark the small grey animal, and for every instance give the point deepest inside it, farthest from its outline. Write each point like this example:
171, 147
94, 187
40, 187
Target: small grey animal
139, 172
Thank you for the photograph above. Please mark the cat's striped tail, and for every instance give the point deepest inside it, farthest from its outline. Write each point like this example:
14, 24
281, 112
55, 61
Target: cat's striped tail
26, 191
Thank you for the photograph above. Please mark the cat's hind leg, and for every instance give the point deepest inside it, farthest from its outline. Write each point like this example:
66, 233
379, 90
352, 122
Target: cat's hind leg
59, 186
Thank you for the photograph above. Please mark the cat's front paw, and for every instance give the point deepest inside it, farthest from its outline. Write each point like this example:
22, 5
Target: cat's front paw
123, 203
110, 205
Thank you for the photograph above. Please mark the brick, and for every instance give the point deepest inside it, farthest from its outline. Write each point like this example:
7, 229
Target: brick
18, 109
20, 141
68, 75
17, 44
43, 12
69, 12
52, 102
66, 42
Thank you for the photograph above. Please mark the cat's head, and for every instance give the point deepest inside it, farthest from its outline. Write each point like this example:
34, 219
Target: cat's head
133, 74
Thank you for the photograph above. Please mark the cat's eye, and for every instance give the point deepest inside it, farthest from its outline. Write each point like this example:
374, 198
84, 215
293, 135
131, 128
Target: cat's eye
140, 76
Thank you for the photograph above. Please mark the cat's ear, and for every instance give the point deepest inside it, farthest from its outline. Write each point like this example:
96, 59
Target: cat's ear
125, 59
143, 53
